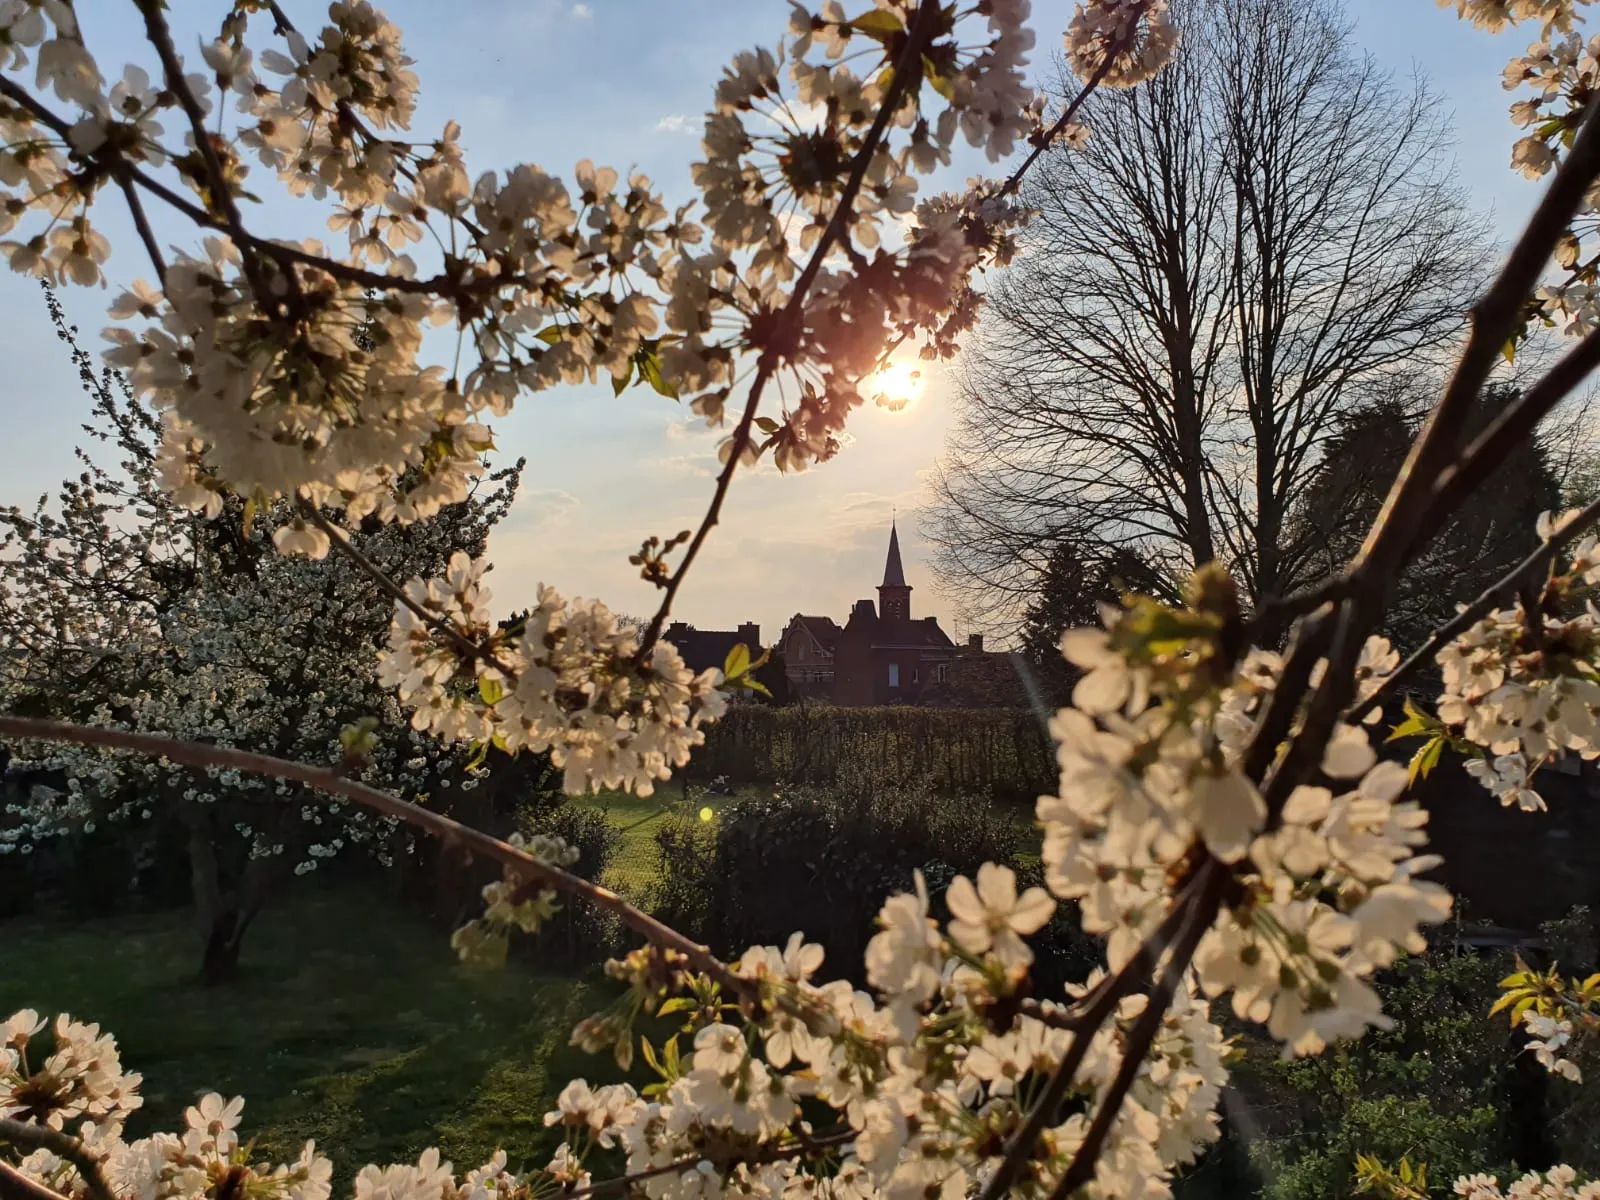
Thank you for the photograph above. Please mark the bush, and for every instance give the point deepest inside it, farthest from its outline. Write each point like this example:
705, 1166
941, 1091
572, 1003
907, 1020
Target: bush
1002, 753
1447, 1086
823, 860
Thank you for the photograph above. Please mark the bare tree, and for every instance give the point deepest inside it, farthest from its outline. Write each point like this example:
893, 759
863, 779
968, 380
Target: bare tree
1249, 247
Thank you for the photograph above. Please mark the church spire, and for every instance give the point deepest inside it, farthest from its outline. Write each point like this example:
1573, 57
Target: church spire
894, 593
894, 575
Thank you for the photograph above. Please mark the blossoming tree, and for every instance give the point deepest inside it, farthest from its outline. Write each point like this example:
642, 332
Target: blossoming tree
121, 606
1222, 817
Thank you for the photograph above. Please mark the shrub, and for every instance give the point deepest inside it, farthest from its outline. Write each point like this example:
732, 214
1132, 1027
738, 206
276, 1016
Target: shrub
1002, 753
1446, 1086
824, 859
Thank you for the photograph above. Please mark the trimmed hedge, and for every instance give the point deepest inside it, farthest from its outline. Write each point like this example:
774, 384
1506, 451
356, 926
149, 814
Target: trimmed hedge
1004, 754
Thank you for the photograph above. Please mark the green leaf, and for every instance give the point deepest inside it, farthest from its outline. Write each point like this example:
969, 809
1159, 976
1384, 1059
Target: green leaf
755, 685
767, 425
249, 515
941, 83
650, 1056
1426, 759
737, 663
1417, 722
650, 372
1509, 351
675, 1005
549, 335
619, 383
880, 24
491, 689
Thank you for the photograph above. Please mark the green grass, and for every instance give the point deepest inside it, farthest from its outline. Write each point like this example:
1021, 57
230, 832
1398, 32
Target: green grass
350, 1024
633, 866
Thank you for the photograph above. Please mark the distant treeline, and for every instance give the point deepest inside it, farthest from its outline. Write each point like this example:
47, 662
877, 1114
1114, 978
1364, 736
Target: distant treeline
1001, 753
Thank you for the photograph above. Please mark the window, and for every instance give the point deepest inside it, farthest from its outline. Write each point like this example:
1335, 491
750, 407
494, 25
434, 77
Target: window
894, 674
800, 652
938, 672
913, 674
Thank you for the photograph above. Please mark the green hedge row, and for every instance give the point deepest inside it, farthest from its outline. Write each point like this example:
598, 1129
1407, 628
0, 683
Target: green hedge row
1000, 753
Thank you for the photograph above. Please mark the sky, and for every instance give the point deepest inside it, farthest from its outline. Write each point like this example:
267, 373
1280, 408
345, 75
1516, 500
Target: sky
624, 82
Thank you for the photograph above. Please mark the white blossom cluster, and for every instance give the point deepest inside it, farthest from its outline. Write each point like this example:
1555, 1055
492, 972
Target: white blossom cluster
1326, 893
1558, 1183
1562, 69
1523, 688
287, 371
1550, 1036
569, 681
81, 1080
284, 370
1137, 39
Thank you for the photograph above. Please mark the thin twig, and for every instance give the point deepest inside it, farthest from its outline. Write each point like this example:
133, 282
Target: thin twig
62, 1145
906, 69
827, 1141
1509, 429
463, 645
1502, 589
1143, 1033
1494, 318
1055, 1015
451, 832
1044, 141
141, 222
1415, 497
160, 36
1098, 1007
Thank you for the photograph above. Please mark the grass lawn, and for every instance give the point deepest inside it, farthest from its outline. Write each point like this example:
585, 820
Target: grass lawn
633, 866
351, 1024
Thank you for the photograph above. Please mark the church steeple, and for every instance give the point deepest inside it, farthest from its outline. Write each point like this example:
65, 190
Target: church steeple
894, 593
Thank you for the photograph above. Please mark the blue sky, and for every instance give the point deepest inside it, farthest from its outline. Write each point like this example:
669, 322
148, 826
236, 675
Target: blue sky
623, 82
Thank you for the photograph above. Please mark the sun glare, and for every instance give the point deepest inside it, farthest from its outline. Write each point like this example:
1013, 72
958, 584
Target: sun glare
895, 386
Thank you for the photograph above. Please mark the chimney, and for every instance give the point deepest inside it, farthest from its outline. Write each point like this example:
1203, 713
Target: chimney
750, 635
678, 629
974, 641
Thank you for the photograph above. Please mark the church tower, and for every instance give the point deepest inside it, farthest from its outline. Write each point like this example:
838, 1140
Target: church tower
894, 593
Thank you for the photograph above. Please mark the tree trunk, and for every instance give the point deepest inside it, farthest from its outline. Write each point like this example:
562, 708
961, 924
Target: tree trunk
220, 963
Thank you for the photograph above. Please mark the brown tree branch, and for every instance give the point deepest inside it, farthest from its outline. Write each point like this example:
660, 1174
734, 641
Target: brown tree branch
1095, 1010
450, 832
14, 1185
1137, 1045
221, 191
62, 1145
1501, 590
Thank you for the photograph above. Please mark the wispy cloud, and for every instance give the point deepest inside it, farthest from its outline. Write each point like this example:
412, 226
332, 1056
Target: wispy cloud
675, 123
539, 507
582, 12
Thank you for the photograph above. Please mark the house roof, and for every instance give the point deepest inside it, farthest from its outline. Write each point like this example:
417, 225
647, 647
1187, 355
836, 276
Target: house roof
703, 649
823, 629
902, 631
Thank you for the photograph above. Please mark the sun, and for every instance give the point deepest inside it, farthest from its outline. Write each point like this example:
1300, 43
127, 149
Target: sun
895, 385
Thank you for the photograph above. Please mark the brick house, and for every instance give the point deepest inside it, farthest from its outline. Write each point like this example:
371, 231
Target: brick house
882, 655
808, 646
